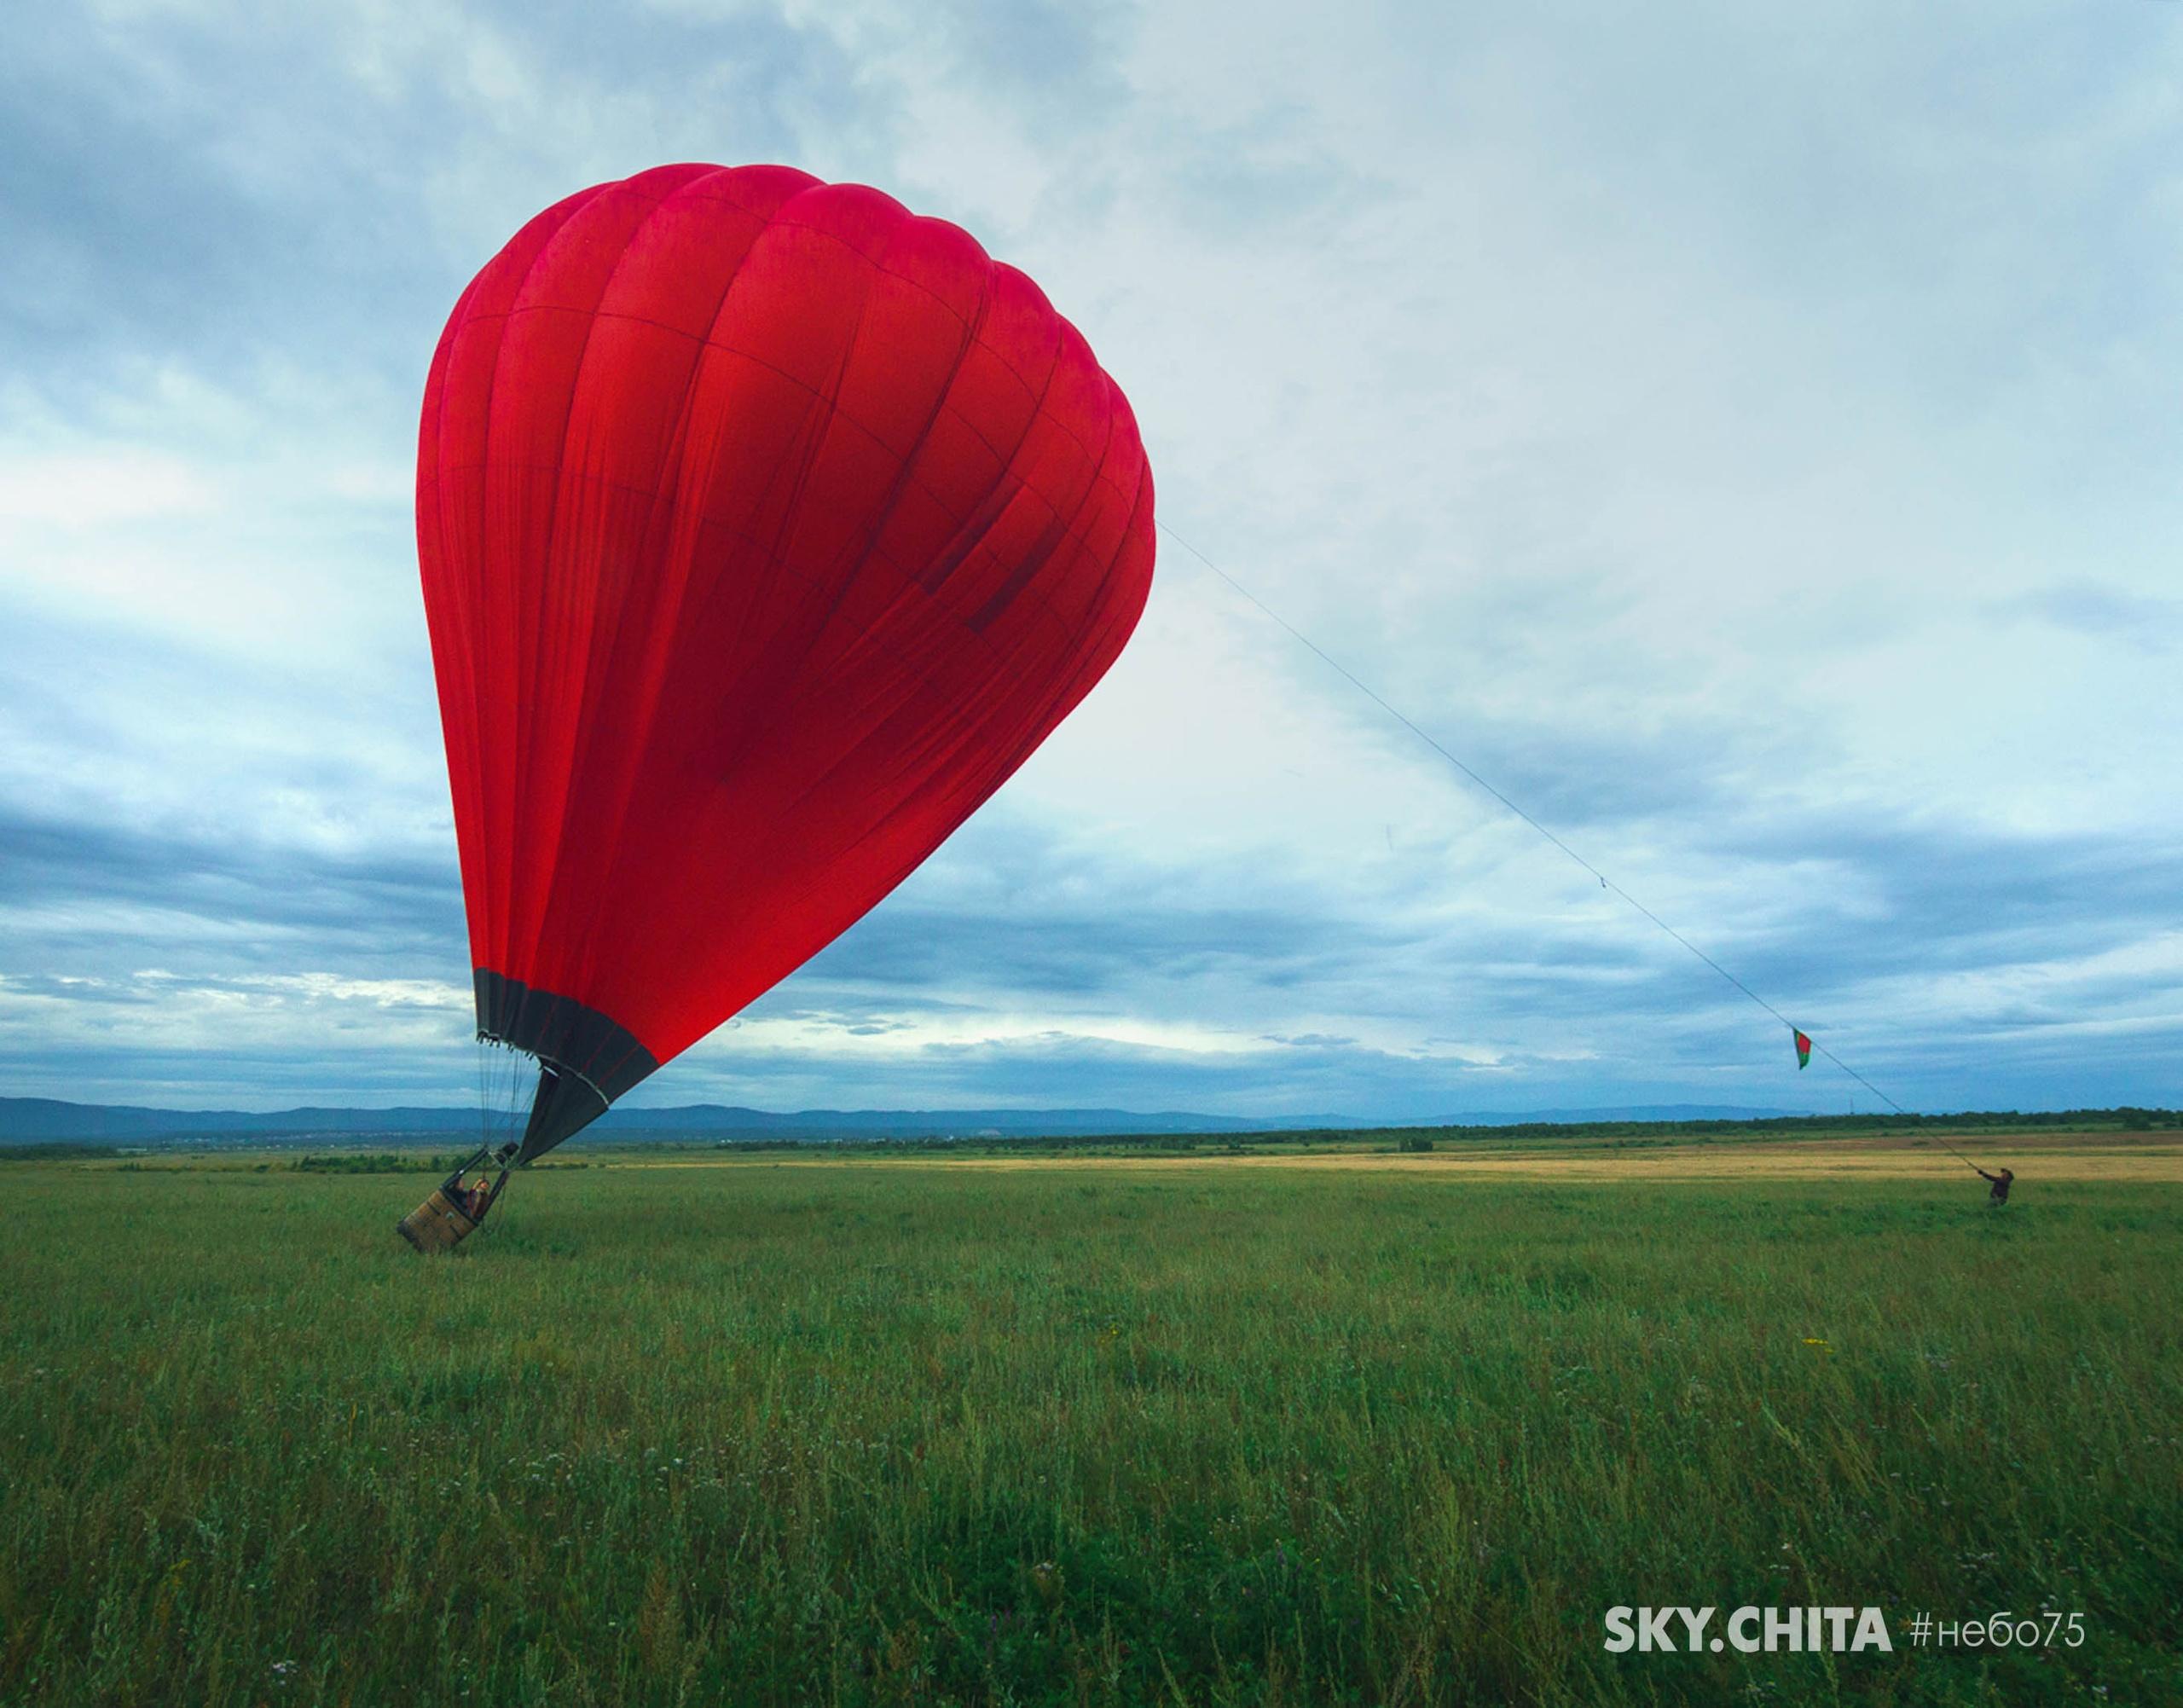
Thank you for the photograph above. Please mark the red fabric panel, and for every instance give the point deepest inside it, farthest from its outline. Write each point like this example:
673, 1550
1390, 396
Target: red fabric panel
765, 530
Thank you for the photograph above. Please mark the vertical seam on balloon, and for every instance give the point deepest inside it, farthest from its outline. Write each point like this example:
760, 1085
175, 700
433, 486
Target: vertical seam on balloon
905, 476
523, 715
1100, 609
544, 644
582, 754
1071, 532
474, 600
672, 460
494, 898
457, 617
773, 553
1009, 478
830, 397
1024, 579
1056, 706
776, 554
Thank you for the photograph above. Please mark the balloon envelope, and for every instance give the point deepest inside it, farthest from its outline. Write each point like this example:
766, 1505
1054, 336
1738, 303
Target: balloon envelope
765, 530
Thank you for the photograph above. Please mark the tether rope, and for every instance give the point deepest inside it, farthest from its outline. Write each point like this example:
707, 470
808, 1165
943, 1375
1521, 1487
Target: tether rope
1467, 771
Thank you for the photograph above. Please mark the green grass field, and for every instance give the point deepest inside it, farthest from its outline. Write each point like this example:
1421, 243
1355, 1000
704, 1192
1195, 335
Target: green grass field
784, 1432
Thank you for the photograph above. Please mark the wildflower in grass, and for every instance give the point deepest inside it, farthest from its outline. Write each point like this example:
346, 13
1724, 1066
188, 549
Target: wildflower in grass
1811, 1340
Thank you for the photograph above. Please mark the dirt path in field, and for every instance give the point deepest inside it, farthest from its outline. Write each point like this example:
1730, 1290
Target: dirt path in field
2048, 1157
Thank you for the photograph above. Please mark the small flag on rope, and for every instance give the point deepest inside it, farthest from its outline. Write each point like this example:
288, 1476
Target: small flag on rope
1803, 1050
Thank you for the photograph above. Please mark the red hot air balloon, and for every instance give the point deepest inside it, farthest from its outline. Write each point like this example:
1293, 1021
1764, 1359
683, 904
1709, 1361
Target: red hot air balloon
766, 530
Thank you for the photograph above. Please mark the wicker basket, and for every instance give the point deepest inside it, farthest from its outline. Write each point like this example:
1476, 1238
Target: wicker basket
435, 1224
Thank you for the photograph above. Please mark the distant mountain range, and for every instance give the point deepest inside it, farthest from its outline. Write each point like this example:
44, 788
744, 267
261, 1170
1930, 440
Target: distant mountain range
35, 1119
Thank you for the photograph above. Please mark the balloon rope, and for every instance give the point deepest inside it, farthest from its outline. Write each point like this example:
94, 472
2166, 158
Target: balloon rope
1606, 882
485, 1095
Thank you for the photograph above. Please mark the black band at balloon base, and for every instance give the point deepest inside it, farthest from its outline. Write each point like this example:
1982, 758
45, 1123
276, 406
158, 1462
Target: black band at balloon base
585, 1060
563, 1107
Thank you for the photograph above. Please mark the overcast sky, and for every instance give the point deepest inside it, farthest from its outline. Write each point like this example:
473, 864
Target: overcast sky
1748, 435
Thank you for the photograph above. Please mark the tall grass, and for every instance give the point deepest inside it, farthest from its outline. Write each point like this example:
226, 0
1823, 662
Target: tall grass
765, 1432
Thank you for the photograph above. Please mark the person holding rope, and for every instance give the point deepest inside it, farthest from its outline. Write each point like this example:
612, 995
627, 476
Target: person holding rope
1999, 1194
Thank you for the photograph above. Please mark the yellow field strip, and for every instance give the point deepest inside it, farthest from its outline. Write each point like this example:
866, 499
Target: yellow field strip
1845, 1160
